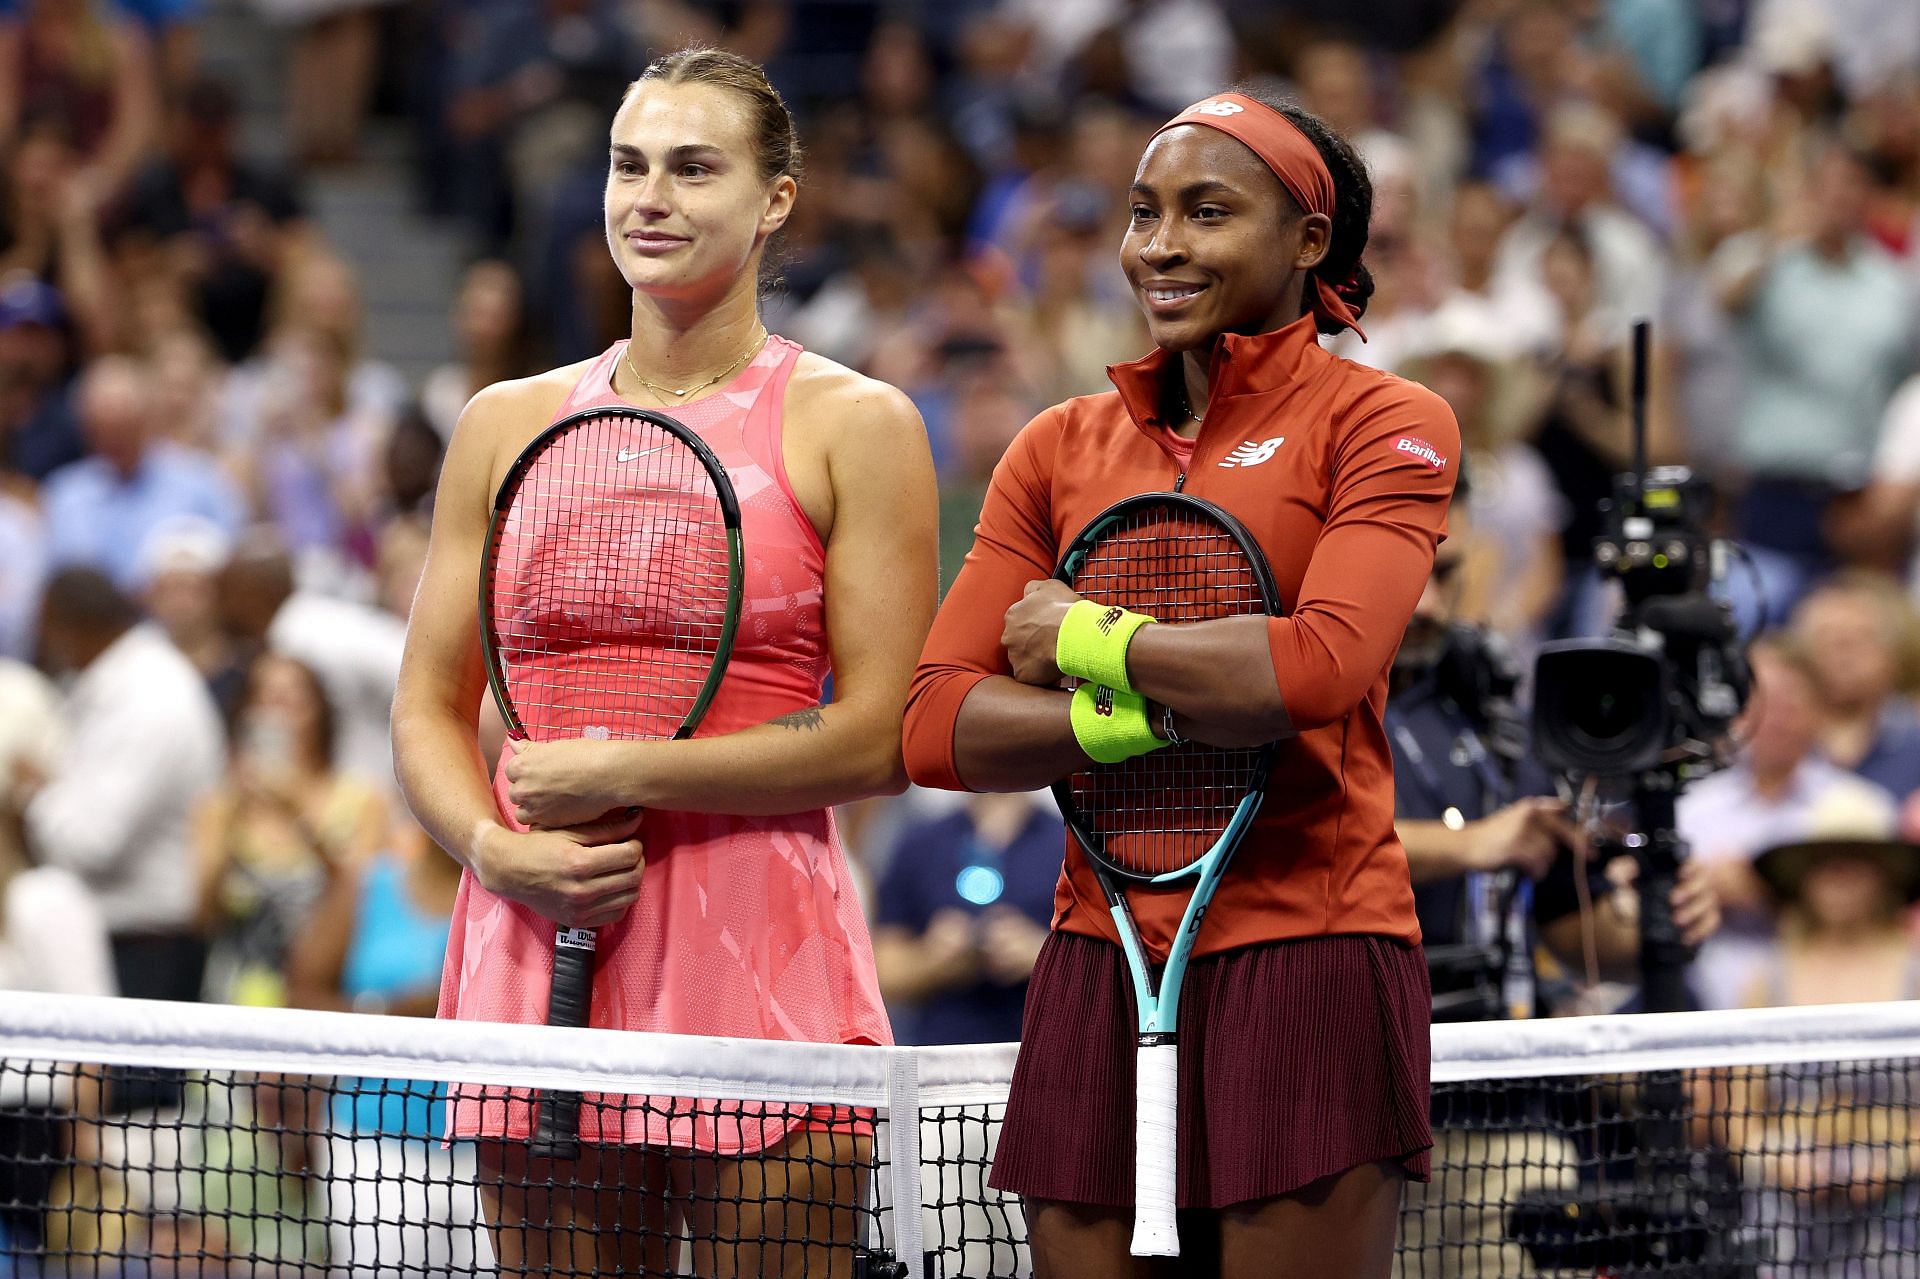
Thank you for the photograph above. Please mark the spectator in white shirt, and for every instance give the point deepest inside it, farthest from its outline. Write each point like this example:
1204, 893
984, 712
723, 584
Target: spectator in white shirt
52, 936
1763, 800
144, 746
52, 941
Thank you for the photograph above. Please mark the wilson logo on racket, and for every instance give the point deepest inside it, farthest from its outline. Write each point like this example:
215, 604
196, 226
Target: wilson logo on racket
1422, 450
1253, 453
1108, 618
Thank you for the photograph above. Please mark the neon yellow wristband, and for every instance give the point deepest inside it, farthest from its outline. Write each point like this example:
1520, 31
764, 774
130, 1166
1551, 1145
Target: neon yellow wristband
1093, 641
1111, 725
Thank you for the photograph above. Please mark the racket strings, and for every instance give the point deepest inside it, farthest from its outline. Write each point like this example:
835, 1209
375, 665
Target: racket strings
610, 583
1162, 812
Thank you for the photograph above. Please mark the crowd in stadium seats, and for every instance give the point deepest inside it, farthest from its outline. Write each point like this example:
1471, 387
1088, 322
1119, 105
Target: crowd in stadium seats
214, 494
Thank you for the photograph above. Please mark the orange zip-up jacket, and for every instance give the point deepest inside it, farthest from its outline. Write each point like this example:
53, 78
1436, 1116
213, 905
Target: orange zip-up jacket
1343, 475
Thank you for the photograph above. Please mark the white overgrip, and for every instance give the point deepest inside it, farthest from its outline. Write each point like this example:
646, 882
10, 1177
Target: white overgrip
1155, 1151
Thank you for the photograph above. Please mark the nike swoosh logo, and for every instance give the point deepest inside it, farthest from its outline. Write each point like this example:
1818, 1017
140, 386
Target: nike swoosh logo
625, 455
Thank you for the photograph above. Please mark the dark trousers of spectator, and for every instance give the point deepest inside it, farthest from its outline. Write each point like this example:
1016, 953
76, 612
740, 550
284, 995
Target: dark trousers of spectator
153, 966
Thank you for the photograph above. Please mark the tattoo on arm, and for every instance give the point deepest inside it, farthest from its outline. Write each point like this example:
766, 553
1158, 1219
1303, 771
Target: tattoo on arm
808, 719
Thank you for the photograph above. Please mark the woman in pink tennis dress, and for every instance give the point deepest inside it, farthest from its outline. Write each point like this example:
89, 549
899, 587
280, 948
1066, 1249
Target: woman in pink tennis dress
726, 909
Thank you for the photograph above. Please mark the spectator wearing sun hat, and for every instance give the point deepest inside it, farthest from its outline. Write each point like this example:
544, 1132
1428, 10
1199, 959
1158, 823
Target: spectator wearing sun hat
1842, 889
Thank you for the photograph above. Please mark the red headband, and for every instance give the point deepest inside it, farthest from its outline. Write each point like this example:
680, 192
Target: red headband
1294, 160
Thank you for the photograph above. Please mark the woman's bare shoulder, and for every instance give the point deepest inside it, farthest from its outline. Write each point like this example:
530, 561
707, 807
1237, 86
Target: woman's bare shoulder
823, 392
532, 400
503, 418
497, 423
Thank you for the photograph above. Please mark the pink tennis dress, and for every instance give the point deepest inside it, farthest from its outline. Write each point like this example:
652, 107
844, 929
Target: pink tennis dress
745, 926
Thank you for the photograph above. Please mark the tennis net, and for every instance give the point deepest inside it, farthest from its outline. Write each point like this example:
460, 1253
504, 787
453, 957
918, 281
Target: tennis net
148, 1139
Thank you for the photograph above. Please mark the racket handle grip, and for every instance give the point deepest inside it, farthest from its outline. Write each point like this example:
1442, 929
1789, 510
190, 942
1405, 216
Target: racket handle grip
1155, 1149
556, 1130
571, 996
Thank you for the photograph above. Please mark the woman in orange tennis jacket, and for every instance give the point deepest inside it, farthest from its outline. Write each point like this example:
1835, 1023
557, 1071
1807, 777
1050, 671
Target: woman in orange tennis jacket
1303, 1027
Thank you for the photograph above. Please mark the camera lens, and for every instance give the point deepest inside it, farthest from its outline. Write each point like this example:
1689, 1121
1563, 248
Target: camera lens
1600, 706
1607, 714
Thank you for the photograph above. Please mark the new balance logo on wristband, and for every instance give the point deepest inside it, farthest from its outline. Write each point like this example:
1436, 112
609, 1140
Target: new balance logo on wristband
1422, 450
1254, 452
1103, 701
1107, 619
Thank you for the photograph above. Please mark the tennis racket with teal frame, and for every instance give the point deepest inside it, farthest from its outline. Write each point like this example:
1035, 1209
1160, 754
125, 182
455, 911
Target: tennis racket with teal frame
1173, 817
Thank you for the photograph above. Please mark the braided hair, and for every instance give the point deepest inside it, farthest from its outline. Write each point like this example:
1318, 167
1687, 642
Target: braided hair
1352, 205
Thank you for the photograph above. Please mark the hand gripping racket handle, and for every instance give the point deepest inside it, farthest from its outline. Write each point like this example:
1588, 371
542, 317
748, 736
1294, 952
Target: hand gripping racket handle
1155, 1149
556, 1130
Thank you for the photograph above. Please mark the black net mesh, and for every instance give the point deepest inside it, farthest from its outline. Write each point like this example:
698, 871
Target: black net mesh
1743, 1171
1722, 1171
135, 1172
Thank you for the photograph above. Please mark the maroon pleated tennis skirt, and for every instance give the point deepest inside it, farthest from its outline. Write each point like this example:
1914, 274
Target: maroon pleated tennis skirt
1298, 1059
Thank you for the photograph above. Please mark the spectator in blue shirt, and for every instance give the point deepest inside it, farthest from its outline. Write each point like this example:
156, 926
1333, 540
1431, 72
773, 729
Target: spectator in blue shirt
101, 510
961, 912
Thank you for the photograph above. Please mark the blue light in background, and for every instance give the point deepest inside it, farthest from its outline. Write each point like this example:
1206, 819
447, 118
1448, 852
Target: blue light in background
981, 885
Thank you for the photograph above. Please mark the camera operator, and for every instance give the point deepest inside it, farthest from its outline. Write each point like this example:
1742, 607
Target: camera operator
1482, 831
1494, 859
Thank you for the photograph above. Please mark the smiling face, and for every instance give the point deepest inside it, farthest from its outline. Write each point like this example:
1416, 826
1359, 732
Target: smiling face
687, 206
1214, 243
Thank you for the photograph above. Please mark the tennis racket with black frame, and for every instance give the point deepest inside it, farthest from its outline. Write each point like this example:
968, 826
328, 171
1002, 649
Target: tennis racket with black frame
609, 599
1174, 815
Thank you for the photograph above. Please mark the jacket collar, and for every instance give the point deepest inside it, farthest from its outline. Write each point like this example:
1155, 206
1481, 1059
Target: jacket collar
1243, 364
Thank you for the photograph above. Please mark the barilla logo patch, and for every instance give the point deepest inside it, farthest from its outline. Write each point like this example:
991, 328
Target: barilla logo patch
1422, 450
1213, 106
1108, 618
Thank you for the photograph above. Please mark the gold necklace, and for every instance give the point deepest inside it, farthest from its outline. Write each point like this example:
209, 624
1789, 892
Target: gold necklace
626, 357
